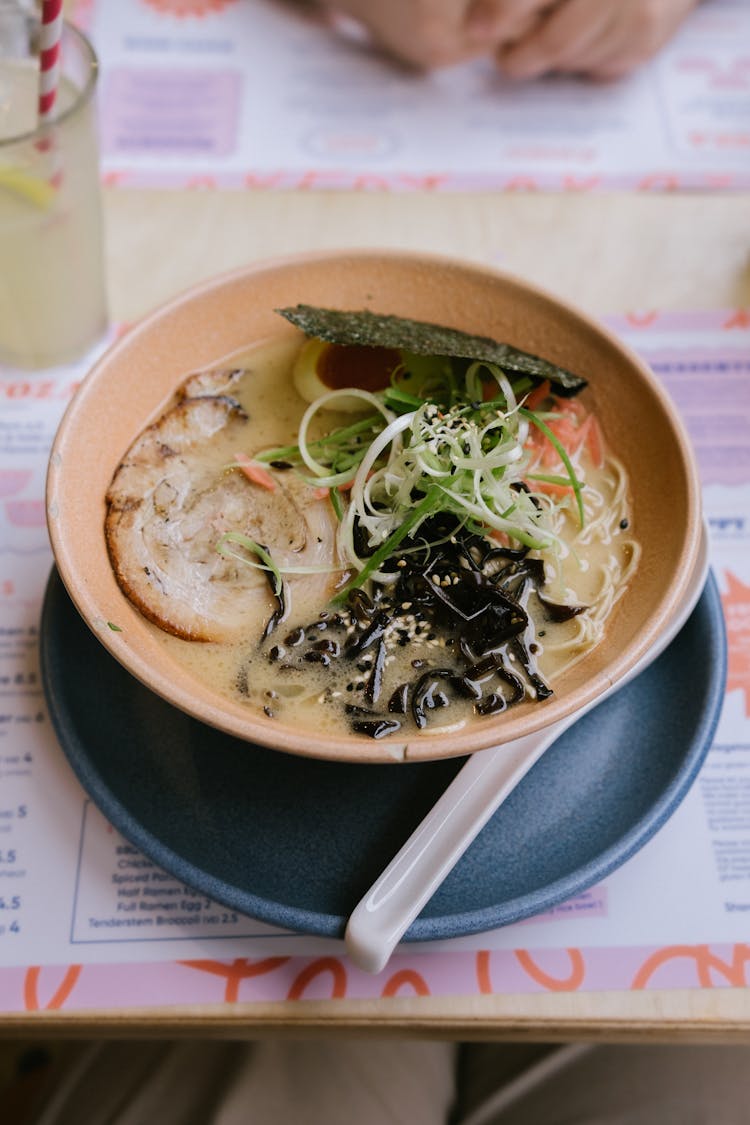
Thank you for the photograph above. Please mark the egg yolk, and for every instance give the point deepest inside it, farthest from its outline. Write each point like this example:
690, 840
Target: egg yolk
352, 365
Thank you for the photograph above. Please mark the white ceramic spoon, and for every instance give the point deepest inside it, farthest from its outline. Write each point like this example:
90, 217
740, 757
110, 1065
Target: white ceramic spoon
411, 878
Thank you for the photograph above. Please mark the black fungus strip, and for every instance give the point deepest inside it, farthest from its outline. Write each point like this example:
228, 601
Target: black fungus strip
468, 687
424, 694
279, 613
399, 701
375, 679
361, 606
556, 611
493, 704
498, 701
377, 728
480, 612
468, 551
518, 571
543, 690
372, 634
513, 681
513, 554
483, 668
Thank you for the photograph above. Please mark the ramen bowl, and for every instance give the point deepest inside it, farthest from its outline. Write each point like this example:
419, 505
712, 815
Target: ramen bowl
133, 383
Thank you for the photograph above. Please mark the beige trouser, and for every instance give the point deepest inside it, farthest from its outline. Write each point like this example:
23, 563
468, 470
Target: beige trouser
367, 1082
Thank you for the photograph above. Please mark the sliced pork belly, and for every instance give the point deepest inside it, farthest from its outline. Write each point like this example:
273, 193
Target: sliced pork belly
172, 499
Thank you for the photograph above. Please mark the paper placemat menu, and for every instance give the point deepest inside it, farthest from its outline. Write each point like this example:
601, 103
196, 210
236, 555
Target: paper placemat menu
79, 904
257, 93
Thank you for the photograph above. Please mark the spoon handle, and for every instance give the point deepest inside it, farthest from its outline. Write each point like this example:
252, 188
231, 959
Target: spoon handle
417, 870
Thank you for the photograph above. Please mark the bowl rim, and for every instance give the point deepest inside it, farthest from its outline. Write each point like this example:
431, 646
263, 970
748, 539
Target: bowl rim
422, 747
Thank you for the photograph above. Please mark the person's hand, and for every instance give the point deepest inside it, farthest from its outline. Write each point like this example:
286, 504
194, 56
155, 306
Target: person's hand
602, 39
429, 34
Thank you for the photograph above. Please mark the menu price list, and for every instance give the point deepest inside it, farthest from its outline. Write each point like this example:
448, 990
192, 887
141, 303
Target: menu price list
122, 896
13, 872
21, 709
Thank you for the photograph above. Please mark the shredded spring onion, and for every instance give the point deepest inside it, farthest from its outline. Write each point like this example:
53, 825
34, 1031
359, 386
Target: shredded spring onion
437, 444
266, 562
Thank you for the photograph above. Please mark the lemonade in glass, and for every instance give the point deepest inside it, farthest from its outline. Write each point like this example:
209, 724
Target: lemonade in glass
52, 291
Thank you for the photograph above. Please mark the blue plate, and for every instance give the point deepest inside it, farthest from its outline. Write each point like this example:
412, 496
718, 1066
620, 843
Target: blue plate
296, 842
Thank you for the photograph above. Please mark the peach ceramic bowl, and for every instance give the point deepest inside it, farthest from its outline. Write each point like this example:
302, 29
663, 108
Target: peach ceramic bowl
130, 386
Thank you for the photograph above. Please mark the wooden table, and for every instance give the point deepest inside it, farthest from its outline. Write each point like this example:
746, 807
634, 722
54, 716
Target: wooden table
606, 253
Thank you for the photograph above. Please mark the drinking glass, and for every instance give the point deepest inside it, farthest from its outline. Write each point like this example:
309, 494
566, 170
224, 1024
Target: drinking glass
52, 290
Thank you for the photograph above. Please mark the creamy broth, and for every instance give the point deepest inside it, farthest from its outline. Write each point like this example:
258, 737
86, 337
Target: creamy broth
278, 677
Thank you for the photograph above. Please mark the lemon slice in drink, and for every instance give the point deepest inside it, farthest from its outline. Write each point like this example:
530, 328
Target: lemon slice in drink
38, 192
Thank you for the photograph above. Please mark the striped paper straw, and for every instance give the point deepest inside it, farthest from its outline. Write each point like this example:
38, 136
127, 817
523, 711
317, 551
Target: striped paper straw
50, 34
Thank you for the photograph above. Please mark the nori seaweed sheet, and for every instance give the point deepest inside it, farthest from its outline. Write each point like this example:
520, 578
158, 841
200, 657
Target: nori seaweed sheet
369, 329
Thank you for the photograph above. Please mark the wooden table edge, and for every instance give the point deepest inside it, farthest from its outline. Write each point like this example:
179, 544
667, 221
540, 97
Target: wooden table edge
678, 1016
